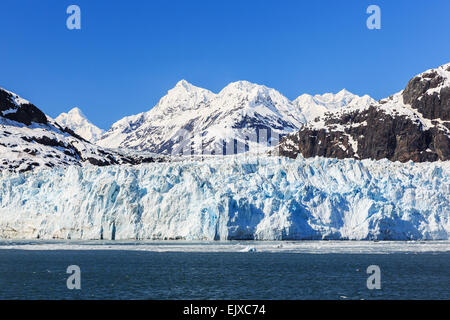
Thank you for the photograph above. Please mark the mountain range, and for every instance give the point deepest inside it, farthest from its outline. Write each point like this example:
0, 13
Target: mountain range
207, 122
413, 124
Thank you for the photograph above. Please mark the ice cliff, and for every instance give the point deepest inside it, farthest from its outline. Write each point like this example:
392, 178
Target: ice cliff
230, 198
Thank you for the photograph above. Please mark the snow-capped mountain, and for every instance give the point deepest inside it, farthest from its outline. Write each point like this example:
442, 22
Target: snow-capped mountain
413, 124
246, 113
195, 118
315, 106
189, 116
149, 130
30, 139
78, 123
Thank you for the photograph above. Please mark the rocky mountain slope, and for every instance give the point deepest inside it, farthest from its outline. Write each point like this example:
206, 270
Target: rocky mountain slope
29, 139
413, 124
76, 121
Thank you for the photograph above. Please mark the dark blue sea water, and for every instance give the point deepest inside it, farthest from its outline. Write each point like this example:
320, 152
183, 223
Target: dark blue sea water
130, 274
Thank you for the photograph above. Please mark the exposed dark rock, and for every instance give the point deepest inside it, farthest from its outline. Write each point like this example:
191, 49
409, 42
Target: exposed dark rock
436, 105
24, 113
375, 133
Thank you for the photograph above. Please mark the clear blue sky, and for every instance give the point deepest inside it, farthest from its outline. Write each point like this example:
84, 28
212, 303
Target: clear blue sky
129, 53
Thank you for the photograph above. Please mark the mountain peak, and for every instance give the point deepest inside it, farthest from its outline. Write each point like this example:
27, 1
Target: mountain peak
184, 89
344, 92
77, 121
242, 85
76, 112
184, 96
183, 84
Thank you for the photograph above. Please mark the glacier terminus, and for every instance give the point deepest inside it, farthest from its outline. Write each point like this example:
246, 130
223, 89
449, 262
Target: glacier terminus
231, 198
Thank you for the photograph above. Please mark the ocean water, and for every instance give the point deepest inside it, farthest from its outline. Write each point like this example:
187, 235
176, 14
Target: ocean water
243, 270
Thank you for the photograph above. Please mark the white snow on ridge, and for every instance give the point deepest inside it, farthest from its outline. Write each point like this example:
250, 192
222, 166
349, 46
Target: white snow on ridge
19, 148
392, 106
231, 198
315, 106
14, 149
444, 72
18, 101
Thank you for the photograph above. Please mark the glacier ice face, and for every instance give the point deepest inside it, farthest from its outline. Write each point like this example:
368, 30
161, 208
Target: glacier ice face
234, 197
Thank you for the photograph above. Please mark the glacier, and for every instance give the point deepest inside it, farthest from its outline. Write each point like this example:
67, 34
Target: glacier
230, 198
